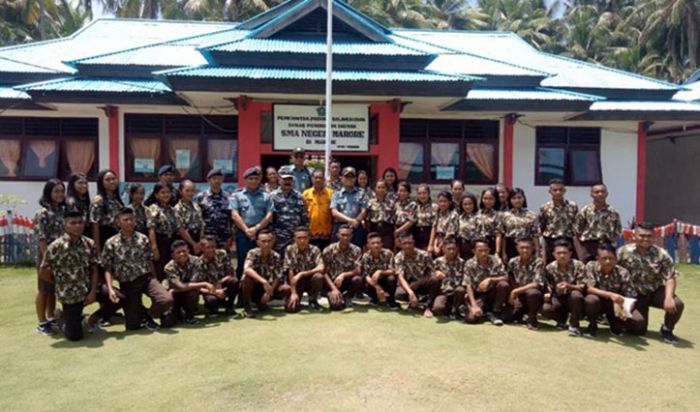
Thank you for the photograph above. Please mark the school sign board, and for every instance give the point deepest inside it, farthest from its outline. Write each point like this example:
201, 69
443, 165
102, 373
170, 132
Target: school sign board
305, 126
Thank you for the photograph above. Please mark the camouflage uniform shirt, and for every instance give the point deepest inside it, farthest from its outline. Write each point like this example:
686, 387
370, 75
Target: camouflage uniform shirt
289, 213
127, 258
575, 274
467, 226
369, 264
415, 267
162, 218
48, 224
598, 224
649, 270
617, 281
475, 273
188, 216
141, 215
488, 223
214, 270
215, 214
525, 273
523, 222
268, 267
446, 223
381, 211
337, 261
71, 264
178, 275
349, 202
405, 211
105, 216
298, 261
453, 270
425, 214
558, 221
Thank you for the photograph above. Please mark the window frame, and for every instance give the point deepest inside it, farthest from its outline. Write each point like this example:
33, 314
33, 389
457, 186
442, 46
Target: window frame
568, 147
463, 140
62, 171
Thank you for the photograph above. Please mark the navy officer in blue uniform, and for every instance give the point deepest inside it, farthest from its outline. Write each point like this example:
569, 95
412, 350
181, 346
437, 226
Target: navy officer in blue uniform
349, 206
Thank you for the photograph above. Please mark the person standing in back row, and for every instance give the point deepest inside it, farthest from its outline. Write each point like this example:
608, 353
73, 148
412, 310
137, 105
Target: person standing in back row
595, 223
166, 176
557, 218
214, 204
289, 210
349, 206
302, 174
318, 205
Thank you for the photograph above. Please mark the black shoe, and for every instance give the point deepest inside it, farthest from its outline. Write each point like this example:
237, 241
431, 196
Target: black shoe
151, 325
561, 325
46, 329
616, 332
191, 321
533, 325
313, 305
668, 335
591, 331
249, 313
348, 301
231, 312
394, 305
574, 331
452, 315
494, 319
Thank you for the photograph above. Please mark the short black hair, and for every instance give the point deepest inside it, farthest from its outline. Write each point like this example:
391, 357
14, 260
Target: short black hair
556, 181
448, 241
607, 246
72, 213
372, 235
210, 238
481, 240
645, 225
405, 185
264, 232
562, 242
177, 245
344, 226
126, 210
405, 235
301, 229
524, 238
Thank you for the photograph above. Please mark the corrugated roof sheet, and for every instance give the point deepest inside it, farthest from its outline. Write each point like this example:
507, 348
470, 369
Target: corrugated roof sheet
102, 36
73, 84
508, 47
635, 106
315, 46
478, 66
539, 93
310, 74
8, 93
691, 94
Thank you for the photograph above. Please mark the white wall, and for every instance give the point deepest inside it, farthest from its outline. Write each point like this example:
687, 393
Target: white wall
618, 162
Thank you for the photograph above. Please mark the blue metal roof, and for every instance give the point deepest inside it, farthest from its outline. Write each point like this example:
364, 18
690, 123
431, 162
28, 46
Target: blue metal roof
635, 106
8, 93
692, 93
478, 66
315, 46
76, 84
311, 74
537, 94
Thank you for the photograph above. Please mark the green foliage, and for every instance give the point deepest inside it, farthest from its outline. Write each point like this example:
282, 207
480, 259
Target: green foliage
658, 38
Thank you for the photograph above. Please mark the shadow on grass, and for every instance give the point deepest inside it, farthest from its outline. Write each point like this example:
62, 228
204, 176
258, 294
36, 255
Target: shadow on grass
97, 339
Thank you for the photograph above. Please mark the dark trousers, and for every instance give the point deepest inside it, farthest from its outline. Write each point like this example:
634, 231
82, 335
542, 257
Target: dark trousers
107, 307
589, 250
656, 300
386, 231
312, 285
243, 246
493, 300
428, 286
421, 235
351, 286
388, 284
549, 248
72, 320
161, 300
528, 303
212, 303
253, 291
510, 249
320, 243
466, 249
595, 305
195, 236
163, 243
560, 306
185, 301
446, 303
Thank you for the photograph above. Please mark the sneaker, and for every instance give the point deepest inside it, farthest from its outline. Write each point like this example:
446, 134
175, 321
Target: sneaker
231, 312
91, 329
574, 332
313, 305
452, 315
616, 332
249, 313
348, 302
56, 320
561, 325
591, 331
668, 335
46, 329
151, 325
533, 325
191, 320
394, 305
494, 319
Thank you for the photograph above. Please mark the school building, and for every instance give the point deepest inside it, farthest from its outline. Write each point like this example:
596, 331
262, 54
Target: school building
481, 106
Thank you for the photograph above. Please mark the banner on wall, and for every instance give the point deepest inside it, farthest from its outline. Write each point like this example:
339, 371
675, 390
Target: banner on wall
304, 126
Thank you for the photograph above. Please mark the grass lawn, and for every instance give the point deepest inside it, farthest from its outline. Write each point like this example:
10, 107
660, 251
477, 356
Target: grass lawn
361, 359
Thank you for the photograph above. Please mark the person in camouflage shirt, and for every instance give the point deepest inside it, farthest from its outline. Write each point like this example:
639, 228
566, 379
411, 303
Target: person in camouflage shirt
48, 226
518, 222
467, 225
136, 195
596, 222
557, 218
487, 285
214, 204
654, 279
414, 268
188, 218
381, 214
488, 220
162, 228
565, 283
289, 210
263, 275
340, 264
184, 284
376, 270
104, 208
214, 266
70, 263
425, 213
607, 284
404, 211
446, 223
526, 278
127, 257
449, 268
304, 265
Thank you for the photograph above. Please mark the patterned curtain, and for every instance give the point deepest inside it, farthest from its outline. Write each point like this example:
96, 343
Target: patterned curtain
9, 156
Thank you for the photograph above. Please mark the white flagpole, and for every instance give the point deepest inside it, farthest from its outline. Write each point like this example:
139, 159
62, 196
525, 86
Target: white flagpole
329, 86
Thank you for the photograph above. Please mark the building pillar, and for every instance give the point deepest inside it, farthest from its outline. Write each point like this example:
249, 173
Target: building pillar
508, 126
112, 113
249, 148
388, 133
641, 170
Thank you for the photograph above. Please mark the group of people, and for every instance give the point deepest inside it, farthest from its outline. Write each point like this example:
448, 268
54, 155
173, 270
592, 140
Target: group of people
486, 258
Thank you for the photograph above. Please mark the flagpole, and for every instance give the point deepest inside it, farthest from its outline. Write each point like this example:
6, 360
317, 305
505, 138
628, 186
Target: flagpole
329, 86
